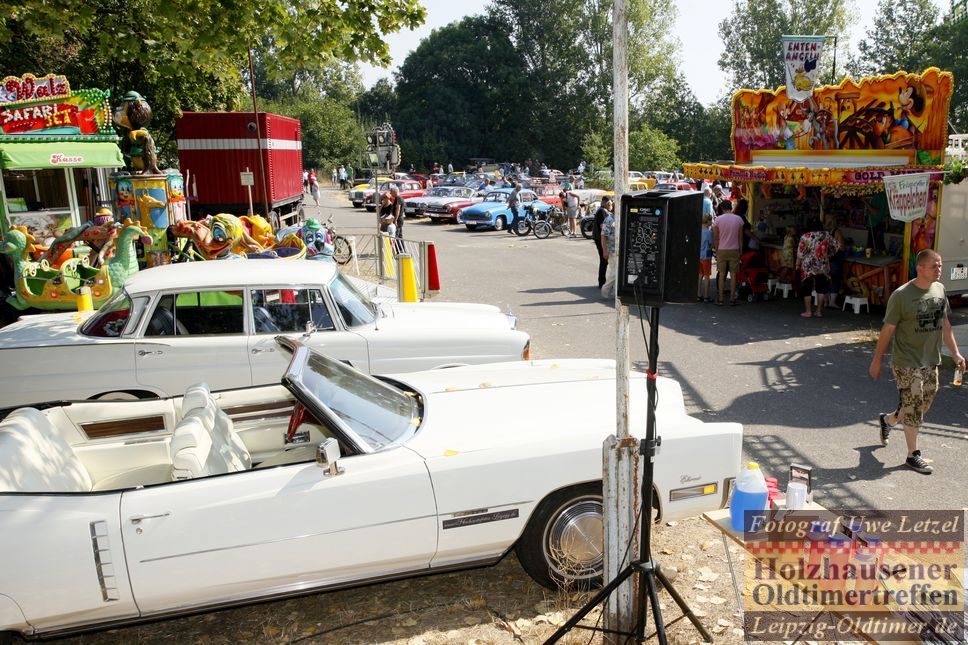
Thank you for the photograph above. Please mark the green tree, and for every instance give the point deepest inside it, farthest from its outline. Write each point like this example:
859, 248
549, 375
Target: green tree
949, 51
651, 149
675, 111
597, 150
566, 46
901, 38
460, 91
378, 103
330, 133
752, 32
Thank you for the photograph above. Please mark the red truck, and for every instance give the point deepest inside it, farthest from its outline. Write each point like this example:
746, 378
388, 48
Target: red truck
216, 150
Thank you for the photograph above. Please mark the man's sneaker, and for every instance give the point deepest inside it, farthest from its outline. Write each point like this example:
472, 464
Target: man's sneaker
885, 429
915, 462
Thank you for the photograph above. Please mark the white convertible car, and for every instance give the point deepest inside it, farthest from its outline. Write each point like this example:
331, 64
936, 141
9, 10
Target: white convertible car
174, 325
120, 511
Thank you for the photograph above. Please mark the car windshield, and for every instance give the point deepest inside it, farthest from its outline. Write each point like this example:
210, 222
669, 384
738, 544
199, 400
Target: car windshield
496, 197
377, 412
111, 318
356, 308
439, 192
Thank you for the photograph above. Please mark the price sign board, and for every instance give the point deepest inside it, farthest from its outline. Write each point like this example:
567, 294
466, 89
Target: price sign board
247, 178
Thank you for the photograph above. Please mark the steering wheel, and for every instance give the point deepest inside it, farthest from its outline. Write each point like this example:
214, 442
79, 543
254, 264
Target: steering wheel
300, 415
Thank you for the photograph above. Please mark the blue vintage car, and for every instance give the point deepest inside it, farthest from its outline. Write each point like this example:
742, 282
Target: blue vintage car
494, 212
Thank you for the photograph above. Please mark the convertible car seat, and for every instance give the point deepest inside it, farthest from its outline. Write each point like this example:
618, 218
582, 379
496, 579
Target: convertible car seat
204, 442
34, 457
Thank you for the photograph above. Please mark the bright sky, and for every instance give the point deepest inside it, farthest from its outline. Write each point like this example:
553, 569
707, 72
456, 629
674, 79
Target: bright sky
696, 28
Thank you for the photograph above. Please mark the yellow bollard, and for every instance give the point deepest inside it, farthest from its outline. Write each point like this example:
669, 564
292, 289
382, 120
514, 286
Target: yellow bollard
84, 300
408, 279
388, 256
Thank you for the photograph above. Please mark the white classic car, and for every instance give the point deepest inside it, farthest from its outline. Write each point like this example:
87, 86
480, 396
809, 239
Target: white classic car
119, 511
215, 321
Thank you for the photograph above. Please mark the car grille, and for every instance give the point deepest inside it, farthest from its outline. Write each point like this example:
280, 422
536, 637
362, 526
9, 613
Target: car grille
438, 209
477, 216
356, 195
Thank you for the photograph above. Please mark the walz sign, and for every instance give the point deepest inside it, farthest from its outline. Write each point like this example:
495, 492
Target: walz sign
907, 196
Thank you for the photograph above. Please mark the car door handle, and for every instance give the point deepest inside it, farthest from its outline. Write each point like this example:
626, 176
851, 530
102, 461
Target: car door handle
145, 352
259, 350
138, 519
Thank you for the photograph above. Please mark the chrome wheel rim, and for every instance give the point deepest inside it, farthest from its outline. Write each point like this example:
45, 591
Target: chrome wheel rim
574, 540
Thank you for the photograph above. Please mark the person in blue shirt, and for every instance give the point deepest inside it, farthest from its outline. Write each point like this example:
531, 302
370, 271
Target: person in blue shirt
705, 257
707, 202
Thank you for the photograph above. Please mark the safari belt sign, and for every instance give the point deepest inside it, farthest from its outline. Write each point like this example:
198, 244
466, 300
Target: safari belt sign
897, 112
47, 106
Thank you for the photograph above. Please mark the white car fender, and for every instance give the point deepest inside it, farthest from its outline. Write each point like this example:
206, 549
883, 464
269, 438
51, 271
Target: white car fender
11, 616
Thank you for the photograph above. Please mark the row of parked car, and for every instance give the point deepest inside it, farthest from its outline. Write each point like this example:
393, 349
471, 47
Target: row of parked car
460, 199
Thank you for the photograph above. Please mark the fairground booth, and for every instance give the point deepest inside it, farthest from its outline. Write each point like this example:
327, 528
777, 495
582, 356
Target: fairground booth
826, 155
56, 149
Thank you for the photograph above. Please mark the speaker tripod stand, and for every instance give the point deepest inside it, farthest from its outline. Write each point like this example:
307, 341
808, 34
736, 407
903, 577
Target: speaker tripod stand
644, 568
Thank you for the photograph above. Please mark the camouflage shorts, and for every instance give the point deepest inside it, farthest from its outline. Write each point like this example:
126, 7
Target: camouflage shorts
916, 387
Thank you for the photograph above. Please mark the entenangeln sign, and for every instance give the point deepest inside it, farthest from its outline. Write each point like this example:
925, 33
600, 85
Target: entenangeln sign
907, 196
801, 60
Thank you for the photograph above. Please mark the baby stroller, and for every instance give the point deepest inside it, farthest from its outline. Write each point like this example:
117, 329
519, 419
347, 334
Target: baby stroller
752, 277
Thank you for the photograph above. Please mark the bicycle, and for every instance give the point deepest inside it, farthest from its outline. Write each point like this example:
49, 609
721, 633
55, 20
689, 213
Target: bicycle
342, 250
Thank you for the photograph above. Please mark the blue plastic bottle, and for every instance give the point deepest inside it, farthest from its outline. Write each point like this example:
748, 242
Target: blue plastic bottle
749, 494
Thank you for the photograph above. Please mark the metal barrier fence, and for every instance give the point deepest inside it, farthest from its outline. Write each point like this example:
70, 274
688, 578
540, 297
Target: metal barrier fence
375, 258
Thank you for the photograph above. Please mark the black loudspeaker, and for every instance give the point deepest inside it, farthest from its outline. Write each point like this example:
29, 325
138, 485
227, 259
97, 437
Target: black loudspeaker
659, 247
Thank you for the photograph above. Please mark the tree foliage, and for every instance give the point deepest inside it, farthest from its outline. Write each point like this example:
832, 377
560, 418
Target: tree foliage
752, 57
459, 95
330, 132
899, 39
567, 50
949, 51
377, 104
651, 149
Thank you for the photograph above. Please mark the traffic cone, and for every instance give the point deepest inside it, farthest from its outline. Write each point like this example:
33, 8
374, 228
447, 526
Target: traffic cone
433, 278
408, 278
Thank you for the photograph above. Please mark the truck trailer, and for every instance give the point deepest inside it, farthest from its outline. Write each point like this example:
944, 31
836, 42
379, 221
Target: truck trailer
218, 153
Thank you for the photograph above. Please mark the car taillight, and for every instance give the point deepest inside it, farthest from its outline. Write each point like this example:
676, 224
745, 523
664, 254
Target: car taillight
526, 354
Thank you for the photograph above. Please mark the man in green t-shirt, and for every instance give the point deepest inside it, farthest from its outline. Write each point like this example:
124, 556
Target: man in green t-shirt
917, 321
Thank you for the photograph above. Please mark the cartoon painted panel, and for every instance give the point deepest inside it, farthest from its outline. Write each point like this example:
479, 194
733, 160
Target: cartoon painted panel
897, 112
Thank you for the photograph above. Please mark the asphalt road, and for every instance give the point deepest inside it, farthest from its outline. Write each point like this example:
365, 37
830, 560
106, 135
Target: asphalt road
799, 387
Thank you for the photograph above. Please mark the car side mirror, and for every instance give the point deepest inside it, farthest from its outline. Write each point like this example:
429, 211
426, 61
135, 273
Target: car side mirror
310, 328
327, 457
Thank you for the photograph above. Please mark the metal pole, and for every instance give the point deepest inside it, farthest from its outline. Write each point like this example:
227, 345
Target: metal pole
620, 490
835, 61
258, 135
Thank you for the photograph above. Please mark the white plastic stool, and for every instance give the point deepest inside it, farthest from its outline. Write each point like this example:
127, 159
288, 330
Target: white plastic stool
785, 287
771, 285
857, 302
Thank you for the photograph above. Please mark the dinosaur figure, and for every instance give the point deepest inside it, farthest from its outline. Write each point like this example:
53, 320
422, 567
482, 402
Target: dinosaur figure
42, 287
